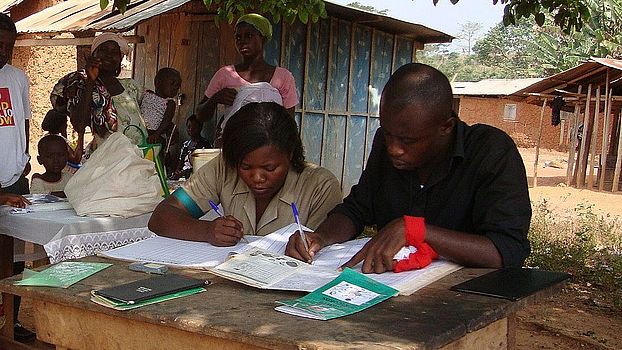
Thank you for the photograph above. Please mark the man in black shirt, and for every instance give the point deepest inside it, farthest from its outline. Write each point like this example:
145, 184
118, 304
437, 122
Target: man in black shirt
468, 183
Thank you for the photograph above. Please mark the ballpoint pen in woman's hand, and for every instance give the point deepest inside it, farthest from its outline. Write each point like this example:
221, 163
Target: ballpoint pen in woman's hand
217, 211
302, 233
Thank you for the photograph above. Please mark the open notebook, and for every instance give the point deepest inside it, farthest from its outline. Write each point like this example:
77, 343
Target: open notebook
199, 255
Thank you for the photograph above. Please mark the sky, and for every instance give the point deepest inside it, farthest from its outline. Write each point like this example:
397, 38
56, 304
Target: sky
444, 17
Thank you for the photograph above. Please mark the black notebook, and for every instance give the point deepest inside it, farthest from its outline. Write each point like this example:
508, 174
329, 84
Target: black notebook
134, 292
511, 283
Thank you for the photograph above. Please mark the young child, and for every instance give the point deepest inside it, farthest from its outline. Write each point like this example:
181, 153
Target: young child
194, 127
53, 157
158, 107
55, 123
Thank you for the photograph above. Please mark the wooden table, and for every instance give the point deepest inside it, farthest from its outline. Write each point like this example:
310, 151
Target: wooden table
60, 228
234, 316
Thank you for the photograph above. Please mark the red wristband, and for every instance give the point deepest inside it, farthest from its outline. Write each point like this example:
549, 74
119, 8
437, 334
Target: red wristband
414, 229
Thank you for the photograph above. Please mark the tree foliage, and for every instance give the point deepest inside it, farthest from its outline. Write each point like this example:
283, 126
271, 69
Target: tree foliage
469, 32
289, 10
228, 10
511, 50
569, 15
456, 66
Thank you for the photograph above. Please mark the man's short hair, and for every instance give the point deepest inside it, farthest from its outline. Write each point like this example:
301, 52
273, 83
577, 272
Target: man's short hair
418, 84
6, 23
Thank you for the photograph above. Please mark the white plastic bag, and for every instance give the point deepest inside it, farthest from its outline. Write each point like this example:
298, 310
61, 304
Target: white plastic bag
116, 181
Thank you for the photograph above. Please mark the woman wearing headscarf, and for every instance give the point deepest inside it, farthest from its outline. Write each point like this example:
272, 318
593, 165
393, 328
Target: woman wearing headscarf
96, 97
252, 80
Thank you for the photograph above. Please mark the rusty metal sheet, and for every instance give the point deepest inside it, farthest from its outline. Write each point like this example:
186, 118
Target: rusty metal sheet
609, 62
72, 15
141, 12
493, 87
5, 5
86, 15
592, 72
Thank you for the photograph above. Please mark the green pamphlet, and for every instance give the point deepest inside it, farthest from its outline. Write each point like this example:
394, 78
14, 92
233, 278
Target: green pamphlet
119, 305
349, 293
62, 275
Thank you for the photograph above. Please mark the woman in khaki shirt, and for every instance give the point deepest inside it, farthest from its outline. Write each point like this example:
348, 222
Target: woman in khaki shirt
259, 173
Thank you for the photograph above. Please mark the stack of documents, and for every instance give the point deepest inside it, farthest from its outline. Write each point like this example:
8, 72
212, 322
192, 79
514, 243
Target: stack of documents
147, 291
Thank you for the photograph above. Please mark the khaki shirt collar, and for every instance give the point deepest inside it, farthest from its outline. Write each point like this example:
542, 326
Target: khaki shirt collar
286, 195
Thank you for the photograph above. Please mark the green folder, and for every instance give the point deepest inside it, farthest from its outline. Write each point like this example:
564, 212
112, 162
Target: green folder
349, 293
119, 305
62, 275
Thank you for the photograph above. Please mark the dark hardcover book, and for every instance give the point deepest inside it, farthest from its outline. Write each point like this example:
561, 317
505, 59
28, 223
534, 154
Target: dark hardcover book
511, 283
145, 289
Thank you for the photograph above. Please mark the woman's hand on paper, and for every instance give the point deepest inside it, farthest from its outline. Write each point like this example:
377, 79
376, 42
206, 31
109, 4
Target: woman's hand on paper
296, 248
225, 231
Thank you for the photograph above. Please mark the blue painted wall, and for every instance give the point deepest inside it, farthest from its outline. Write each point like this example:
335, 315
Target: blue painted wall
340, 70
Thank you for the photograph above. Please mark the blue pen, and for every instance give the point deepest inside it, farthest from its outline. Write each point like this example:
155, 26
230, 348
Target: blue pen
302, 233
215, 207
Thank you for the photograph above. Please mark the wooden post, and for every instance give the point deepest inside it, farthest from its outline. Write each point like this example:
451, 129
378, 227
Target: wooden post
562, 128
572, 143
535, 165
585, 139
594, 141
604, 149
616, 174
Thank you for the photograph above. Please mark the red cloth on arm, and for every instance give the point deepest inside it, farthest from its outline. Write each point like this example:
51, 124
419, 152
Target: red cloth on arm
414, 230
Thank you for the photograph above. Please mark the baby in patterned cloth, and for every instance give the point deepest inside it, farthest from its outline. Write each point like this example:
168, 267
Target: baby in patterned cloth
158, 107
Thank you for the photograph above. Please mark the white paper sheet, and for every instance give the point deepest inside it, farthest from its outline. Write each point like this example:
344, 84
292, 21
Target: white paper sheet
174, 252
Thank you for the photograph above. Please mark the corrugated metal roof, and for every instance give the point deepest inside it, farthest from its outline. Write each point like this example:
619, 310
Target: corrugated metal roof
388, 24
6, 5
85, 15
592, 72
492, 87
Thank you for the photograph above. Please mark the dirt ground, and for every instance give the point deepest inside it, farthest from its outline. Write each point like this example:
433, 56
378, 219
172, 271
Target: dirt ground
577, 317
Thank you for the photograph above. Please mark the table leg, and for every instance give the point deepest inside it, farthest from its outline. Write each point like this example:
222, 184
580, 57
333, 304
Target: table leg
6, 256
7, 306
6, 270
494, 336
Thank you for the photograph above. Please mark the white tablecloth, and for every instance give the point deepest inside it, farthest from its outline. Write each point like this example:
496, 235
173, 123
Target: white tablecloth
65, 235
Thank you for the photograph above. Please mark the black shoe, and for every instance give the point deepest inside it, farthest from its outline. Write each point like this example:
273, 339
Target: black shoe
21, 334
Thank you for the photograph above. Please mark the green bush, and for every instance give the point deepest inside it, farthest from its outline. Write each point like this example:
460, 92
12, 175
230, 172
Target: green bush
584, 244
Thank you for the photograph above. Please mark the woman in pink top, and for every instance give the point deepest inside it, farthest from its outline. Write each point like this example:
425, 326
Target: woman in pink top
252, 31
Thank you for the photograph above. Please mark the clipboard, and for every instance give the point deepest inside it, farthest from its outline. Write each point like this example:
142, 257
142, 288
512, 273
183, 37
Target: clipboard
133, 292
511, 283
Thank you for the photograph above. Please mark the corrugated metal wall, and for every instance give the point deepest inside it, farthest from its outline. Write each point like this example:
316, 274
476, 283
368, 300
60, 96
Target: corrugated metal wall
340, 70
